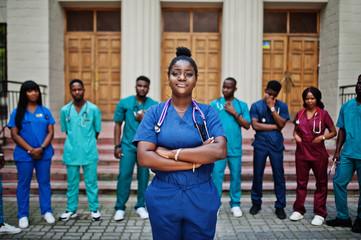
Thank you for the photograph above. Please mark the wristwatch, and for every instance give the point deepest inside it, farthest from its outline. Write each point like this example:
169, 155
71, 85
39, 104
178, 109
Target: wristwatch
273, 109
42, 147
116, 146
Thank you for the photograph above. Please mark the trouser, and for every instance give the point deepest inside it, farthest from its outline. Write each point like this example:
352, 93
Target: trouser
259, 163
1, 203
126, 167
182, 212
347, 168
25, 174
319, 169
91, 185
235, 168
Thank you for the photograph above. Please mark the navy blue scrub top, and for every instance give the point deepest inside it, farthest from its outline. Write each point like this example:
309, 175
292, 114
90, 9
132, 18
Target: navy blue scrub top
177, 133
269, 139
34, 130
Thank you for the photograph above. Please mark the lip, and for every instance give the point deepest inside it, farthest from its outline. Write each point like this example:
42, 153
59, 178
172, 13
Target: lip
181, 85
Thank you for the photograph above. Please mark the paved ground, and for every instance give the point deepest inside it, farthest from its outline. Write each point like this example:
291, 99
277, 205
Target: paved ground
264, 225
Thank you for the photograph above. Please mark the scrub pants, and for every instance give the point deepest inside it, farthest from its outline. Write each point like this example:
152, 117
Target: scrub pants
259, 163
126, 167
319, 169
1, 203
235, 167
91, 184
347, 169
182, 212
25, 174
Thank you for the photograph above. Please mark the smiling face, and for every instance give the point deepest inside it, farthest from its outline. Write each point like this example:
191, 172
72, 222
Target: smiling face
32, 95
310, 101
182, 78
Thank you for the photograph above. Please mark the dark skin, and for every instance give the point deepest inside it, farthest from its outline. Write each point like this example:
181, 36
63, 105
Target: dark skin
35, 153
2, 164
341, 138
270, 100
142, 89
182, 79
311, 108
228, 89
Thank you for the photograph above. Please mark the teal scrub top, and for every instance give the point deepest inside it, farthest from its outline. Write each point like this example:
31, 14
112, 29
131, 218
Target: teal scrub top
80, 145
350, 120
125, 111
230, 125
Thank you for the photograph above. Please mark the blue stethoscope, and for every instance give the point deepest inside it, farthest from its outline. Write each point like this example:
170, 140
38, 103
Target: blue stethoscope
195, 108
84, 115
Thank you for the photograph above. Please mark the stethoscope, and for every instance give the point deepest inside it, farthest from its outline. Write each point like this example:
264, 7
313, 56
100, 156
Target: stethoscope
263, 119
135, 106
220, 108
84, 115
45, 115
195, 108
314, 120
335, 165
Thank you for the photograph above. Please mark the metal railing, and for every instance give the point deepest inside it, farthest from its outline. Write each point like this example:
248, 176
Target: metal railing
9, 97
347, 93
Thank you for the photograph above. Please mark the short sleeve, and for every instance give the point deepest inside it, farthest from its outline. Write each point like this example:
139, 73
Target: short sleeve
119, 114
97, 120
214, 123
328, 120
296, 117
63, 120
245, 112
145, 130
12, 119
341, 116
253, 112
284, 111
50, 116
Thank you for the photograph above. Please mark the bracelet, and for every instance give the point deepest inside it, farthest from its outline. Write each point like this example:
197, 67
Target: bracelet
238, 116
194, 167
117, 146
176, 154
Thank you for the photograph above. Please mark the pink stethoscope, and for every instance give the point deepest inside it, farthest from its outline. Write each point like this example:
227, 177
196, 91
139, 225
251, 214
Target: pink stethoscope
314, 120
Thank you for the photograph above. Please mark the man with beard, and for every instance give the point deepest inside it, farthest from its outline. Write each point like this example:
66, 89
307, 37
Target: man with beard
131, 111
234, 115
81, 121
348, 154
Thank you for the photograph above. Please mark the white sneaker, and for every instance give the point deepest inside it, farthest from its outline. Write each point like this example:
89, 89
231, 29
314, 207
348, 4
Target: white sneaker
67, 215
143, 214
49, 218
237, 212
296, 216
119, 215
8, 229
23, 222
317, 220
96, 216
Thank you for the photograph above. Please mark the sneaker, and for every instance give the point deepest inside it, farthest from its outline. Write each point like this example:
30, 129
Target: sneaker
49, 218
67, 215
280, 212
296, 216
255, 209
119, 215
237, 212
8, 229
143, 214
339, 222
356, 227
96, 216
317, 220
23, 222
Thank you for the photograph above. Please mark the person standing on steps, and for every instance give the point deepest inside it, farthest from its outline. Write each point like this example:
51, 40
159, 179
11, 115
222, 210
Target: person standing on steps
234, 115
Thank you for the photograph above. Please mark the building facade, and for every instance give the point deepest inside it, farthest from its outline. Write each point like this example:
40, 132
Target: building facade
108, 44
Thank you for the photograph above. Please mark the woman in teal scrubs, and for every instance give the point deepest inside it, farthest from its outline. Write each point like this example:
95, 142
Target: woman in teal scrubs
182, 199
32, 129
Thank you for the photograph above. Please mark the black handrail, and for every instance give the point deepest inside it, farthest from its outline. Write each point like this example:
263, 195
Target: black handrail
347, 92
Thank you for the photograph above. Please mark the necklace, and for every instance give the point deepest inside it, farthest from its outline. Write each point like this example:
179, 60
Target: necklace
180, 111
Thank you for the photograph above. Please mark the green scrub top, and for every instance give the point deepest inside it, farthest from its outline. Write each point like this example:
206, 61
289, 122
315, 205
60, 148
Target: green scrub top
350, 120
231, 127
80, 145
126, 110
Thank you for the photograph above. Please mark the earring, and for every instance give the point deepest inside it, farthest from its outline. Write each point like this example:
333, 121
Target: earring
168, 95
196, 92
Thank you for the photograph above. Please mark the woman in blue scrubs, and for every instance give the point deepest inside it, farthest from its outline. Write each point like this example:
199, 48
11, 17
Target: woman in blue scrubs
32, 129
309, 133
182, 199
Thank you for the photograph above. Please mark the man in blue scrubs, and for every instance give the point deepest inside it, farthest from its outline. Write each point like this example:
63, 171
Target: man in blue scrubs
234, 115
269, 116
81, 121
348, 139
131, 111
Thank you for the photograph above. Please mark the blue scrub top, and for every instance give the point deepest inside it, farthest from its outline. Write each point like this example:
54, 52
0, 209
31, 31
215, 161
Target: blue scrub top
126, 110
269, 139
350, 120
177, 133
231, 127
34, 130
80, 146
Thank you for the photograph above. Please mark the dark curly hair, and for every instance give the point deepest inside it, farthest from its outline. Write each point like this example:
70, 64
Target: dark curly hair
185, 54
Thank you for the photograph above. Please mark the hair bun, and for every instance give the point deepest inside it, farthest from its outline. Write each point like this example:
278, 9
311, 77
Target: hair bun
183, 51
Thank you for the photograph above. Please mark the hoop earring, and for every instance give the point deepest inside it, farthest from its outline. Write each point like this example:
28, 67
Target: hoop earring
166, 92
196, 92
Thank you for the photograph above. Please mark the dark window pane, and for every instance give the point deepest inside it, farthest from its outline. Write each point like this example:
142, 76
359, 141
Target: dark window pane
303, 22
108, 21
176, 21
206, 22
275, 22
79, 21
2, 34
